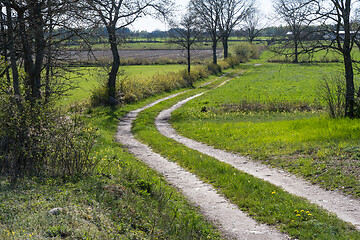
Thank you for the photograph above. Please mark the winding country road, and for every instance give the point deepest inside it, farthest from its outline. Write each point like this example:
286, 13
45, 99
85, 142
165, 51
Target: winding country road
346, 208
232, 222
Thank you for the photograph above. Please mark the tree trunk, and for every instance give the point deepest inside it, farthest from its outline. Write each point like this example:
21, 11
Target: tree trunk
115, 64
225, 46
350, 89
39, 49
33, 70
10, 37
214, 48
296, 45
3, 40
349, 71
49, 57
188, 59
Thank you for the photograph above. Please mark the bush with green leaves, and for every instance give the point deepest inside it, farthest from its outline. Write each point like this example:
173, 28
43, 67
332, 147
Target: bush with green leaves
245, 51
36, 139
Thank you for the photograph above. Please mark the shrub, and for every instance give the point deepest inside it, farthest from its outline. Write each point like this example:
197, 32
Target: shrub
232, 61
214, 68
132, 89
36, 139
332, 91
245, 51
99, 95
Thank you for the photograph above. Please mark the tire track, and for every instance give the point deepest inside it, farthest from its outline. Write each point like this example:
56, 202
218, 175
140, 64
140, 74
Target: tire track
346, 208
233, 223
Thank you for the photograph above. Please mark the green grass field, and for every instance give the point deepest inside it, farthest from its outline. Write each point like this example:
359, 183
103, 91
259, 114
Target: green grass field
261, 200
87, 78
273, 113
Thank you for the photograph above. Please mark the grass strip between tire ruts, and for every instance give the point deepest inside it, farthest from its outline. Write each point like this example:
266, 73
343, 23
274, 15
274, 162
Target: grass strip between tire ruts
263, 201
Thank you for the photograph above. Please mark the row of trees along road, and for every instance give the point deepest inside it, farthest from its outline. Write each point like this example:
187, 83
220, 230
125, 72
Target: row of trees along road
219, 19
33, 32
337, 21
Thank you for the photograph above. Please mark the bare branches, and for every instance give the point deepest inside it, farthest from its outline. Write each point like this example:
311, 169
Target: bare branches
115, 15
186, 34
219, 18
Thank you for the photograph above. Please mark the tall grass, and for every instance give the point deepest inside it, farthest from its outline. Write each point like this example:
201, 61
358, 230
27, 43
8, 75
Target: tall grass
132, 89
89, 78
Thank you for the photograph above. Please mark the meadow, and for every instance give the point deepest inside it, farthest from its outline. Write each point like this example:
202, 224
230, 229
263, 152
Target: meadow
123, 199
274, 113
86, 79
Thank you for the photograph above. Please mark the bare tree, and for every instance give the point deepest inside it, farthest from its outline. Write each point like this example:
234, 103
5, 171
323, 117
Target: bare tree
252, 24
30, 40
342, 39
208, 12
186, 34
337, 21
118, 14
297, 15
232, 12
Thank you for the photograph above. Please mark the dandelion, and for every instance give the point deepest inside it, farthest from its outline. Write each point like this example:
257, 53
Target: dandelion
296, 211
273, 192
309, 214
298, 215
302, 211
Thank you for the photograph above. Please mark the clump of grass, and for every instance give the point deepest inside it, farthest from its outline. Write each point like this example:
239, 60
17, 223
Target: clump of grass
275, 106
245, 51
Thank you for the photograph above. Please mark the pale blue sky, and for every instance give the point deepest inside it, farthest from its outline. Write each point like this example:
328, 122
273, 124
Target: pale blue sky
151, 24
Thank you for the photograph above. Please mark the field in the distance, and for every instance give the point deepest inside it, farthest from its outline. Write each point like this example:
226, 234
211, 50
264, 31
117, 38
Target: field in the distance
87, 78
